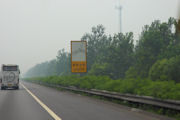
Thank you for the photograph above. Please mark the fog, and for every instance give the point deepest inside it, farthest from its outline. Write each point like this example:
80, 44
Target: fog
32, 31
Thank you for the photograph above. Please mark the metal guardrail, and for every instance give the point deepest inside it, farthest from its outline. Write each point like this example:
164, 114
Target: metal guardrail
170, 104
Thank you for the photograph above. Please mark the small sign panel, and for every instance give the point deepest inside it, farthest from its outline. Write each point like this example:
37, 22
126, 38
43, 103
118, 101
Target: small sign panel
78, 56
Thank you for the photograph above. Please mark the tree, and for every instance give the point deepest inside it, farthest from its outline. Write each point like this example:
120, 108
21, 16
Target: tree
96, 43
119, 54
63, 62
153, 43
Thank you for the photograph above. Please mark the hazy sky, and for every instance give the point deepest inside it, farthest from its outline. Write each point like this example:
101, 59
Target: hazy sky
32, 31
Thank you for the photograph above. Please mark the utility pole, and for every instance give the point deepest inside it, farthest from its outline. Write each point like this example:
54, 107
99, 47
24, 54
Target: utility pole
119, 8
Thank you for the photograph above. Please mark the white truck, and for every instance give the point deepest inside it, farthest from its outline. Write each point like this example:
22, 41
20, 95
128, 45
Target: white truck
9, 76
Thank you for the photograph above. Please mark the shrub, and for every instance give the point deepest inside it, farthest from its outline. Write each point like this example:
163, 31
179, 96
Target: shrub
166, 69
138, 86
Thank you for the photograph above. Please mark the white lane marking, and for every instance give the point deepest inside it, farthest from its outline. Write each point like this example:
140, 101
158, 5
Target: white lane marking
42, 104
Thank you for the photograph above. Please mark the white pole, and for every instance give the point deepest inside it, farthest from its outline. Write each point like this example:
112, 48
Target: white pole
120, 17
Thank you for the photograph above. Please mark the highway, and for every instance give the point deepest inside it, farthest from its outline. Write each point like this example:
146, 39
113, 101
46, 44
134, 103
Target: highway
36, 102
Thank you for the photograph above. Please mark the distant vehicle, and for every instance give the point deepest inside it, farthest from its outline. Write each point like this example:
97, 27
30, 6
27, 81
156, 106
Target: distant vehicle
9, 76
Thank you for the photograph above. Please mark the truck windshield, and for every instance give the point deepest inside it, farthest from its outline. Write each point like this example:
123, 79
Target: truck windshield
9, 68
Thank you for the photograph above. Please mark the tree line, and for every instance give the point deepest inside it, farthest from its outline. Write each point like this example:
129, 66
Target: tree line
155, 55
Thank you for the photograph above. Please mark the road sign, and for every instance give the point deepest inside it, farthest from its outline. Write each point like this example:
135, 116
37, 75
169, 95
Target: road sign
78, 56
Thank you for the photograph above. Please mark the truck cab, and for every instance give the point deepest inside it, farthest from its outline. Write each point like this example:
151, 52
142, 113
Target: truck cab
9, 76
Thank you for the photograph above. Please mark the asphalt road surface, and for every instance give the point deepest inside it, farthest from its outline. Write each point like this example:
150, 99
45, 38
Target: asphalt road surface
36, 102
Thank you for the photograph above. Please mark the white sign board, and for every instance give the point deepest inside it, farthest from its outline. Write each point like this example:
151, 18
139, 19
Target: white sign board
78, 51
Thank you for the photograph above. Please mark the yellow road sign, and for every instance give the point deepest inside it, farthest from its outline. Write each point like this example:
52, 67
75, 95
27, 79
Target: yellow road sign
78, 56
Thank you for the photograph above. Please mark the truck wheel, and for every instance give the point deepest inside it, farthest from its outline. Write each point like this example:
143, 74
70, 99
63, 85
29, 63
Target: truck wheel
17, 87
2, 88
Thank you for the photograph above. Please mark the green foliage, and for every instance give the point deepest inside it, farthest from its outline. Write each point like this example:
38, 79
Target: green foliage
98, 69
131, 72
166, 69
153, 43
63, 62
155, 56
59, 66
97, 43
110, 56
147, 87
159, 70
119, 55
43, 69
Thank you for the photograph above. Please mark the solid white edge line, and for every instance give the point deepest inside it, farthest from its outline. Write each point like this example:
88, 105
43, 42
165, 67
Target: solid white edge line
42, 104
